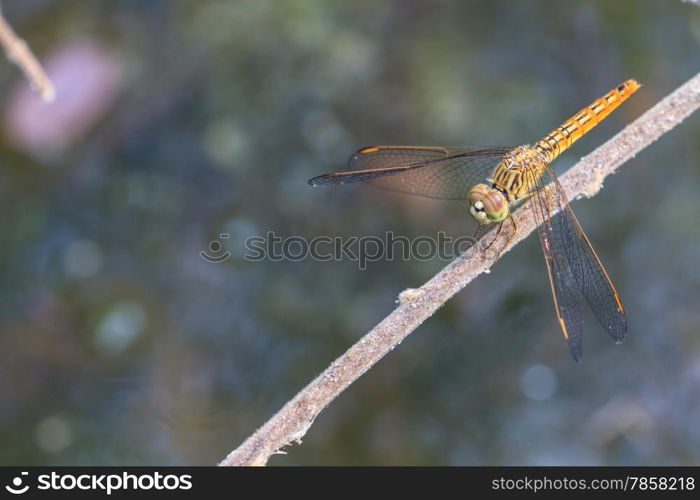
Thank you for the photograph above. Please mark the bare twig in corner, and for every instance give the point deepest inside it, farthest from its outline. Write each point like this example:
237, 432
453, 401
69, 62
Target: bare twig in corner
584, 179
18, 52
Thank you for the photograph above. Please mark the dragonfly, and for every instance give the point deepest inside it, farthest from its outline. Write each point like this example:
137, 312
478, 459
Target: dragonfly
496, 180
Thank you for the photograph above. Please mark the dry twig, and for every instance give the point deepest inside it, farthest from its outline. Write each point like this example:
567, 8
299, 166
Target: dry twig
584, 179
18, 52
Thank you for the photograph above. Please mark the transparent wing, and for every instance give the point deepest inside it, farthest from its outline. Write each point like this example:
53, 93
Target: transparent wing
434, 172
565, 290
565, 245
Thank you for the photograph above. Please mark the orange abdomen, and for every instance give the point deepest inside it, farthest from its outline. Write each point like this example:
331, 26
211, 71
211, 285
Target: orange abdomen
562, 137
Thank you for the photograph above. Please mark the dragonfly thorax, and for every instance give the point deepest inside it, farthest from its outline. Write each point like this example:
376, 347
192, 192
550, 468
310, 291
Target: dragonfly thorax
510, 183
487, 204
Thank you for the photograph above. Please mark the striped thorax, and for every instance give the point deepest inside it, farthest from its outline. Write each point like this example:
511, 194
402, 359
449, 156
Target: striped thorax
512, 179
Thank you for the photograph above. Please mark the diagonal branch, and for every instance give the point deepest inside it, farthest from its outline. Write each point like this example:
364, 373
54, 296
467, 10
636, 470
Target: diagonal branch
416, 305
19, 52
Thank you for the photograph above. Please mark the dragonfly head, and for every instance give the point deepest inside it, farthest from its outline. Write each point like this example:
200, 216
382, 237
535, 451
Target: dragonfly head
487, 205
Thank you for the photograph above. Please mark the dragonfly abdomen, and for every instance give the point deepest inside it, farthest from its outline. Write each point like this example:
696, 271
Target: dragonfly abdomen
562, 137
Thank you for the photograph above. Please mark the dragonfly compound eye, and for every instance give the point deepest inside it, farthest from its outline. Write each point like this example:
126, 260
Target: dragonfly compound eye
487, 205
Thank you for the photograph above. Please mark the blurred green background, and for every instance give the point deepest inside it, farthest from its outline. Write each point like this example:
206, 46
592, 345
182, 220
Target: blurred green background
177, 122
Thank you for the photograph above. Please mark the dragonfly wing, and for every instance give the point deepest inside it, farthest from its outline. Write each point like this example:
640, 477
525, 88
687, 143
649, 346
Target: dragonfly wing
590, 275
565, 289
433, 172
599, 291
588, 270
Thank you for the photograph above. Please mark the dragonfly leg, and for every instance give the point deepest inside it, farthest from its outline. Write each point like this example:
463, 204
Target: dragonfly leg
524, 198
498, 232
482, 228
515, 230
480, 233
